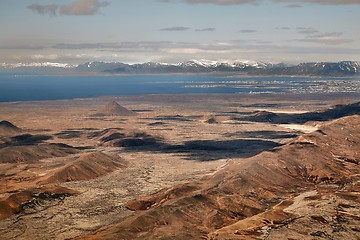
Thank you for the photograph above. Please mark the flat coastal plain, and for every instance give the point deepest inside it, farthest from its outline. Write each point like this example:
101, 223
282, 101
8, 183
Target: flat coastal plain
69, 168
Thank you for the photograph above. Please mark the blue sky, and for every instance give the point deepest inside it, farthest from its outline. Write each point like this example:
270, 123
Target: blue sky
133, 31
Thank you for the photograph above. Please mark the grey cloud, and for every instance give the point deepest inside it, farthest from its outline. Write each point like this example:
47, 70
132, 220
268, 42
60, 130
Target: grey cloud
230, 46
205, 30
313, 50
145, 46
171, 29
264, 42
328, 34
308, 31
293, 5
43, 9
213, 47
83, 7
327, 41
23, 47
331, 38
328, 38
248, 31
324, 2
184, 50
77, 8
222, 2
113, 45
283, 28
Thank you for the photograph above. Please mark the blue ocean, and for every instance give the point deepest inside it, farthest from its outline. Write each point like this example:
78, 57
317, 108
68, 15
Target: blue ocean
23, 87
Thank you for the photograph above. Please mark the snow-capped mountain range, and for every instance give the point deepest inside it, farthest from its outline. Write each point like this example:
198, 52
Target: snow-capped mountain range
345, 68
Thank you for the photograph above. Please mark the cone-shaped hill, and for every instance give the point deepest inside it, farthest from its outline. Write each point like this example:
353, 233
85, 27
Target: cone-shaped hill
114, 109
8, 129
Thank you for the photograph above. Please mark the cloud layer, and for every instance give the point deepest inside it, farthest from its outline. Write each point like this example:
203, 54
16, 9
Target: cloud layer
223, 2
172, 29
248, 31
257, 2
91, 7
77, 8
315, 36
169, 51
338, 2
179, 29
205, 29
44, 9
83, 7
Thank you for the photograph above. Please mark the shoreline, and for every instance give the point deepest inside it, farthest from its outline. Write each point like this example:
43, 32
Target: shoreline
281, 96
236, 74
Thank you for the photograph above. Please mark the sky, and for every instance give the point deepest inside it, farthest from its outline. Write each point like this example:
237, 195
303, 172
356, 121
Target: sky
137, 31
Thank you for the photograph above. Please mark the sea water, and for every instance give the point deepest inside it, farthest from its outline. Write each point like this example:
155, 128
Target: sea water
23, 87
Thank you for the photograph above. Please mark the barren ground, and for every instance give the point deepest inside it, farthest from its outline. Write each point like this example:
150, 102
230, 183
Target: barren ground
186, 146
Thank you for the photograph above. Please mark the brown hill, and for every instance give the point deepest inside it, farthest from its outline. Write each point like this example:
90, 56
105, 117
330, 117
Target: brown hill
212, 119
115, 137
16, 202
335, 112
33, 153
247, 195
133, 139
114, 109
8, 129
88, 166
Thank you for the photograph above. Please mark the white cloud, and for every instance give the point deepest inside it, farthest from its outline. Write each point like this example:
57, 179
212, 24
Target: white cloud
44, 57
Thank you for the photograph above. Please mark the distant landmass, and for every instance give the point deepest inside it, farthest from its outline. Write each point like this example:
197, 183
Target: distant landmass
329, 69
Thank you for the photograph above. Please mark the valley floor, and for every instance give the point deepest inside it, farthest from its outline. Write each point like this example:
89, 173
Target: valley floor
173, 139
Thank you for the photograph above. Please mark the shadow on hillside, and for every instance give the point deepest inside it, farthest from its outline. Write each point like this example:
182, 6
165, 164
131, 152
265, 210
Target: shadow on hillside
35, 141
203, 150
25, 139
68, 134
263, 134
179, 118
338, 111
142, 110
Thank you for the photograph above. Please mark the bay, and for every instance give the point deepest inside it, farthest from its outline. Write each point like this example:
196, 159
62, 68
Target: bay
17, 87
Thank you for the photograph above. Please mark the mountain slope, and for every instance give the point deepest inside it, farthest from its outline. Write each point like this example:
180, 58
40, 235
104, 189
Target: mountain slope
246, 195
8, 129
34, 153
346, 68
87, 166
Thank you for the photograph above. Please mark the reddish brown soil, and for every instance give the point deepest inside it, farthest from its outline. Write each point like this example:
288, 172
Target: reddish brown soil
15, 202
247, 188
